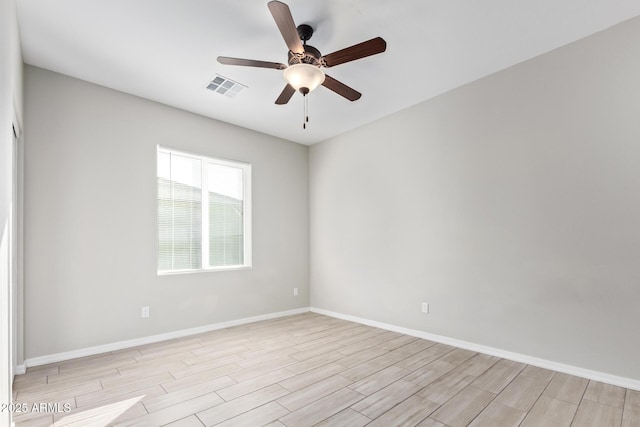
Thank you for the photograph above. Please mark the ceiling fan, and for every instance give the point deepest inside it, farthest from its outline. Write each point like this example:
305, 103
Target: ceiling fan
303, 72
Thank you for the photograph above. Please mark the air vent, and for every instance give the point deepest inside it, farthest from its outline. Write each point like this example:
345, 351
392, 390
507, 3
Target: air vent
225, 86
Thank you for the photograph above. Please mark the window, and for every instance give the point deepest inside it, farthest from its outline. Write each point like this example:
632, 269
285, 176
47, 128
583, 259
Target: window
204, 213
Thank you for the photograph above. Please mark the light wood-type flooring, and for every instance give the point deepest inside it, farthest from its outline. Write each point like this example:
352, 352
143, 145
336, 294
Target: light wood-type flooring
308, 370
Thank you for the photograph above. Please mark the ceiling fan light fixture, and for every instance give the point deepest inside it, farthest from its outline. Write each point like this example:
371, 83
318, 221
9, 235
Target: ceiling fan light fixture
304, 76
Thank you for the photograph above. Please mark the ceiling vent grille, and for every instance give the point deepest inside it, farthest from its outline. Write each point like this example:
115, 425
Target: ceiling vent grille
225, 86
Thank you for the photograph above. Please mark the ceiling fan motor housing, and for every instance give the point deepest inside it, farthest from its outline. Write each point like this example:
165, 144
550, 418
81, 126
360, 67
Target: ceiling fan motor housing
311, 56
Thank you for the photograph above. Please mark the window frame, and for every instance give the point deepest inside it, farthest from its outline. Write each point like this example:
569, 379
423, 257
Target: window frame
246, 208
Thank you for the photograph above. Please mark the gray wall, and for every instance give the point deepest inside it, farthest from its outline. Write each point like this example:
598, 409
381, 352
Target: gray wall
511, 205
90, 219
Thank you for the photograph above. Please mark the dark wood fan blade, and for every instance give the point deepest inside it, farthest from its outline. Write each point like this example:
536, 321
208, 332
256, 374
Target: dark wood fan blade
286, 95
341, 88
282, 15
357, 51
250, 63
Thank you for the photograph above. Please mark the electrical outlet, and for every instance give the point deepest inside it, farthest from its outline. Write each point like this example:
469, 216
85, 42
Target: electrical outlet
425, 307
145, 311
295, 292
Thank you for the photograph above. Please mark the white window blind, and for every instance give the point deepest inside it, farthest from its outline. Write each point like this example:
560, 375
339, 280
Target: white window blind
226, 209
201, 230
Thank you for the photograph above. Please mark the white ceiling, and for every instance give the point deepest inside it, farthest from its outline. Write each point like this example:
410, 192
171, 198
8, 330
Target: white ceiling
165, 50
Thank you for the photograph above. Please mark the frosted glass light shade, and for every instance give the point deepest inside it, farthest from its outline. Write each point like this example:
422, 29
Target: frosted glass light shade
303, 76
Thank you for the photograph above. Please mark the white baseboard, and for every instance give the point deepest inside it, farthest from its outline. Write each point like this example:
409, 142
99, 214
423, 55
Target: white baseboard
120, 345
542, 363
517, 357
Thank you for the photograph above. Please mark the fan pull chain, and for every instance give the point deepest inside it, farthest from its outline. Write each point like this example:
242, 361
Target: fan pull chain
305, 119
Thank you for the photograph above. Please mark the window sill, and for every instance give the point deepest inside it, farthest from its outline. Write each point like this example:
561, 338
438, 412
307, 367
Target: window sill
205, 270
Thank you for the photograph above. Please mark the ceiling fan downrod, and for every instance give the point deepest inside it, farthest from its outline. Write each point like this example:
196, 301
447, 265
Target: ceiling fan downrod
305, 32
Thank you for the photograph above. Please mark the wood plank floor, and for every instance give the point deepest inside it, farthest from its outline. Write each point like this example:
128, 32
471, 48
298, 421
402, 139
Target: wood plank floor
311, 370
